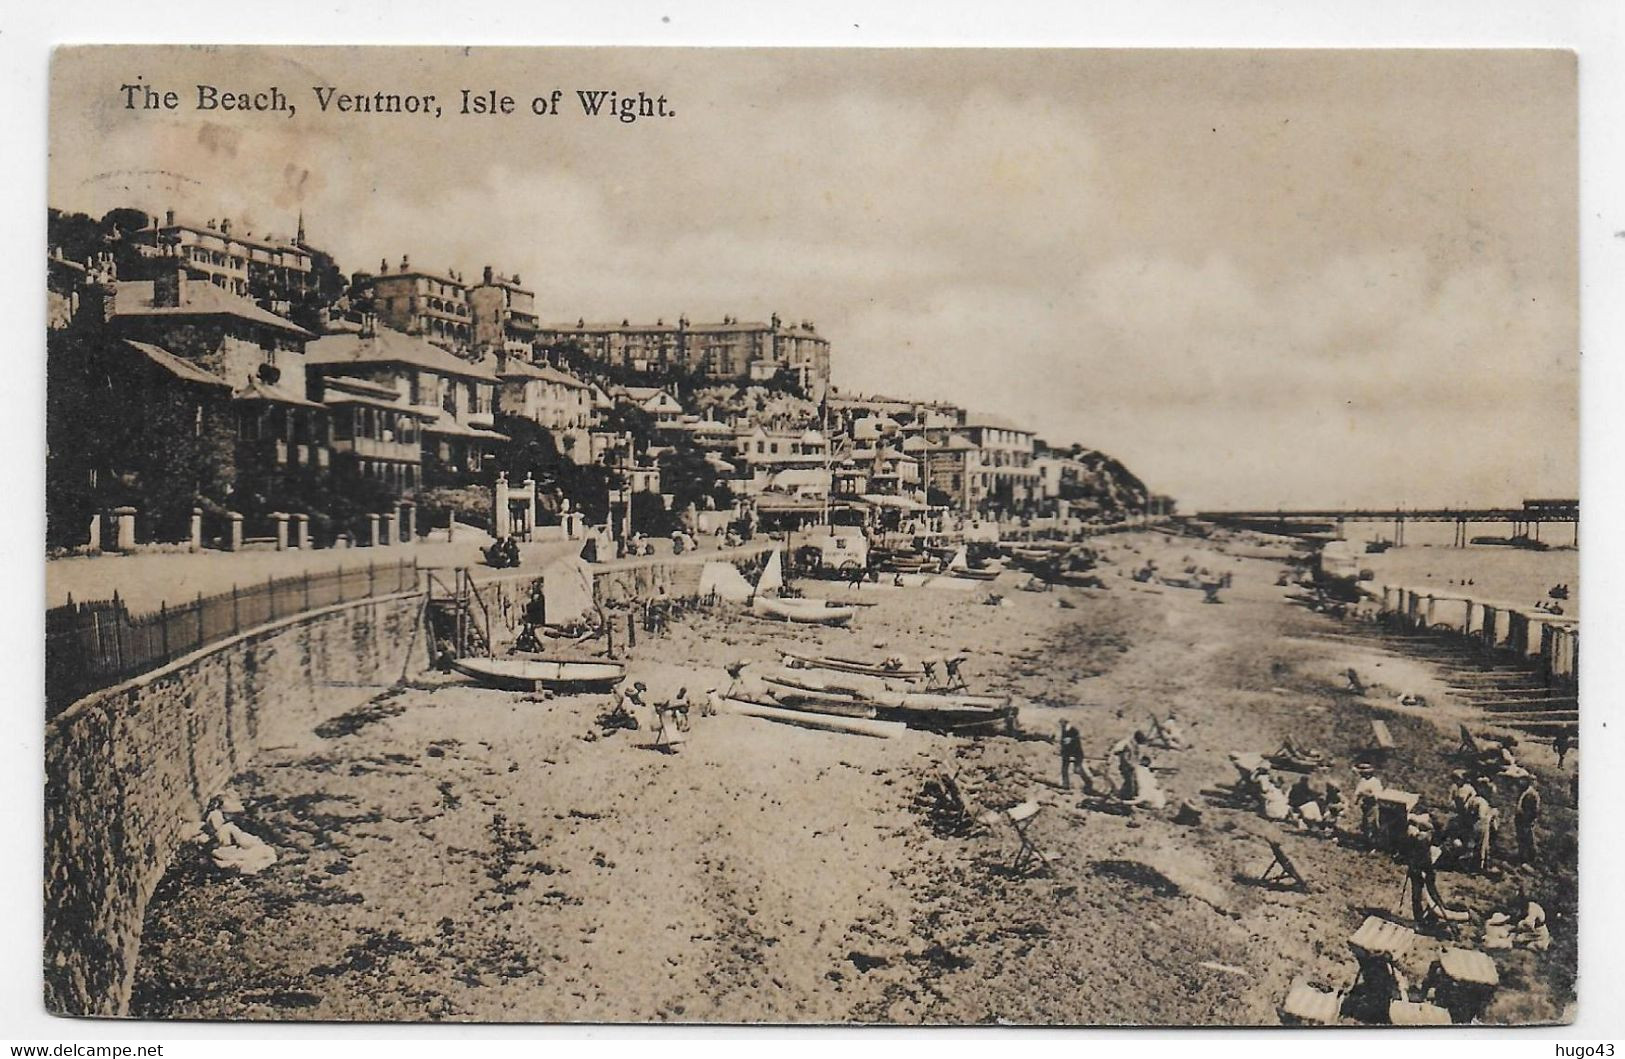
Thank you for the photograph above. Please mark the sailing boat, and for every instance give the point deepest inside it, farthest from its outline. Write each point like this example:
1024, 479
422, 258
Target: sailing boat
959, 566
766, 604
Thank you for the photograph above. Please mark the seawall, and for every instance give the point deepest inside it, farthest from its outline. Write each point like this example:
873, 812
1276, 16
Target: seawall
129, 769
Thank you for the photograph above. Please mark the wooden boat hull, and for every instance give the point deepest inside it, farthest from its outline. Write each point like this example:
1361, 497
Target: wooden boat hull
850, 665
527, 674
918, 709
796, 697
801, 611
974, 575
819, 721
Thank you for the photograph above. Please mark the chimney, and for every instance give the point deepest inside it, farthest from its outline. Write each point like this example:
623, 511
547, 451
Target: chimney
489, 278
383, 266
169, 217
169, 286
516, 280
406, 262
225, 226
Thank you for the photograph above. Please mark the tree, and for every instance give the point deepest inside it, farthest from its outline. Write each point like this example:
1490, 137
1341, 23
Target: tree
691, 479
630, 419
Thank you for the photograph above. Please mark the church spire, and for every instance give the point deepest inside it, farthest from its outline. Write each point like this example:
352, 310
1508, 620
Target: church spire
300, 238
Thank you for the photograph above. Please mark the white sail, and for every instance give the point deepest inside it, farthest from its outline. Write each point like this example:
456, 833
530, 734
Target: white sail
961, 559
772, 578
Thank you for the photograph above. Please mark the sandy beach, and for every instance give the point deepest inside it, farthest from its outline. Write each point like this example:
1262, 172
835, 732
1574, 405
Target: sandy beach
453, 853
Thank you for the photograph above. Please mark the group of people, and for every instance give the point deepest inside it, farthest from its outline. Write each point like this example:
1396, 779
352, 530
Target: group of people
1131, 778
667, 721
503, 552
1300, 804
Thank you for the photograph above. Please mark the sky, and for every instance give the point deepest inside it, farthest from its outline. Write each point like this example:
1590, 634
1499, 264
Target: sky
1261, 279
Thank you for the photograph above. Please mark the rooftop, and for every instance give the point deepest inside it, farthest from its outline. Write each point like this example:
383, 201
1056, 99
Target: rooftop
181, 369
388, 346
135, 299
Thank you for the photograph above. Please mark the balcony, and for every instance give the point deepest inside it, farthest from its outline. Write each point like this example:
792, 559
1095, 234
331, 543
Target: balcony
376, 449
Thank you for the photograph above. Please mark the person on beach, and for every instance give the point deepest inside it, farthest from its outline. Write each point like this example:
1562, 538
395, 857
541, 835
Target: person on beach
1521, 924
1481, 818
1333, 807
1126, 751
1169, 733
1366, 788
1428, 907
1147, 792
1563, 743
1072, 758
1302, 793
1462, 790
1524, 817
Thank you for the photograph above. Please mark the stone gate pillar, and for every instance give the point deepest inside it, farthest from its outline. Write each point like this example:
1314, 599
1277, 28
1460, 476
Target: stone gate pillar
124, 528
501, 518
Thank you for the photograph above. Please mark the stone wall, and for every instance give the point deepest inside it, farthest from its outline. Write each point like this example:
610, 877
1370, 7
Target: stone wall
127, 770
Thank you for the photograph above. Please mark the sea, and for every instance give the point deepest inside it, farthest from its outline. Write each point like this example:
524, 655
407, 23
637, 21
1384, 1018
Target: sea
1487, 572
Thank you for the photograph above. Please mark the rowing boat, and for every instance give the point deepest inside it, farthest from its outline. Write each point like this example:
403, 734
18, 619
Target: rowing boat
527, 674
802, 611
821, 721
922, 709
851, 665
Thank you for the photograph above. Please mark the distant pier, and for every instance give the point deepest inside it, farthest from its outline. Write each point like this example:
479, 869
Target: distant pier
1526, 521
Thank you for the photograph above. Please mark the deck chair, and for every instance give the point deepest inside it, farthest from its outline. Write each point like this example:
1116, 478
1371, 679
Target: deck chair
1028, 856
1382, 740
954, 680
1406, 1013
1282, 872
1307, 1006
954, 814
1355, 684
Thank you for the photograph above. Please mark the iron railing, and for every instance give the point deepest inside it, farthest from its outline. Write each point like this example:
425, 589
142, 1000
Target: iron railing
97, 644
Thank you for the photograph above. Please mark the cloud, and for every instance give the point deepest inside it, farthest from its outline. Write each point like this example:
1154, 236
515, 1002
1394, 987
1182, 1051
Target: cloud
1259, 278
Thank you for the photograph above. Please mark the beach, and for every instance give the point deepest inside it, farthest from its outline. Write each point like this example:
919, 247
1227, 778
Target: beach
447, 852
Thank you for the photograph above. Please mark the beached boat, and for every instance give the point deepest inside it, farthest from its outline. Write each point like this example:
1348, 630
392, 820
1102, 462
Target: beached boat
820, 721
805, 696
851, 665
923, 709
972, 575
527, 674
802, 611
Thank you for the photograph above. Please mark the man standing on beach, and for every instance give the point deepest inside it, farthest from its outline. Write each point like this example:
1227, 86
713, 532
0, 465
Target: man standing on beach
1072, 758
1482, 815
1366, 789
1126, 752
1528, 811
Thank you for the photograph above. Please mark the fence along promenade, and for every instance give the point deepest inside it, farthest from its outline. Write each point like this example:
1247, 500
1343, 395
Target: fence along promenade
97, 644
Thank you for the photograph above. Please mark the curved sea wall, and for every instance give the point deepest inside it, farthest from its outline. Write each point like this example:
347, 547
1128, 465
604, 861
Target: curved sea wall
129, 770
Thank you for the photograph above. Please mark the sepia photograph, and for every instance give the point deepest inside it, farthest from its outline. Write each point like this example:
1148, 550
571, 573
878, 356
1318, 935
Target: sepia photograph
812, 536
